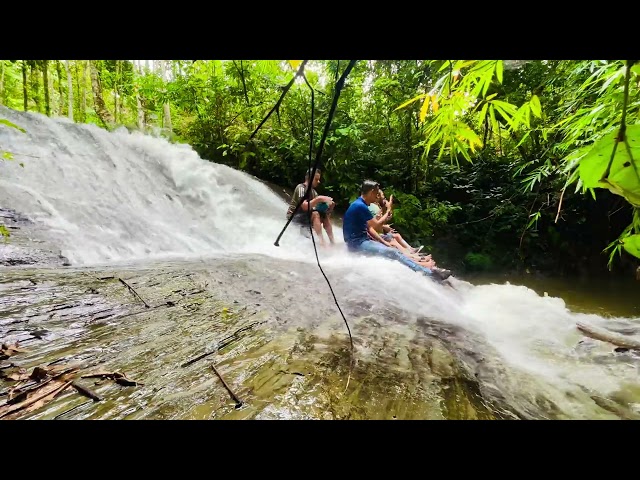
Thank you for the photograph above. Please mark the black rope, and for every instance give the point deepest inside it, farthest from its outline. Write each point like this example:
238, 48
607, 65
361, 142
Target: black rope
309, 213
309, 188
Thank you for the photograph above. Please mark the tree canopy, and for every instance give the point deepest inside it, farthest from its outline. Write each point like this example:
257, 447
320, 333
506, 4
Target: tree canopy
495, 164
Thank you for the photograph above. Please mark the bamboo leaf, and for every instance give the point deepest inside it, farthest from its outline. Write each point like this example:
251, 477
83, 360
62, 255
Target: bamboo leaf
536, 108
623, 176
424, 108
499, 70
414, 99
446, 64
435, 106
494, 122
483, 114
632, 245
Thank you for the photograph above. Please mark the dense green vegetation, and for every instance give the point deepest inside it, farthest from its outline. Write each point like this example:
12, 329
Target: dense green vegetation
496, 165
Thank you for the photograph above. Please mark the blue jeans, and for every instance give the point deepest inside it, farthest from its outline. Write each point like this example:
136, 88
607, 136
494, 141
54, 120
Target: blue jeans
369, 247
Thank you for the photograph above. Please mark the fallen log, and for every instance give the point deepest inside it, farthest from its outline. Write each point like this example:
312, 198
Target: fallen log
608, 336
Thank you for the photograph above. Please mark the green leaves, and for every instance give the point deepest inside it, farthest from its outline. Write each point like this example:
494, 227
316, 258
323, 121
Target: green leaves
4, 232
414, 99
7, 155
632, 245
4, 121
623, 178
535, 106
499, 70
424, 108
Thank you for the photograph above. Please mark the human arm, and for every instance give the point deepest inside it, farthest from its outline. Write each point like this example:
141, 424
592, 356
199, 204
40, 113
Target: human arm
376, 236
299, 195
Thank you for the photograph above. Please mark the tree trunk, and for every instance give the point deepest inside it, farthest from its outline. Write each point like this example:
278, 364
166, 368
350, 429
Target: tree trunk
83, 92
24, 86
101, 109
166, 108
244, 85
116, 93
70, 90
77, 104
45, 78
35, 85
139, 101
60, 91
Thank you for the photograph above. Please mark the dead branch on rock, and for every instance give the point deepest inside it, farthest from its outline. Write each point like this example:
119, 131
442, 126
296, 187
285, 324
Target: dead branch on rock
233, 395
607, 336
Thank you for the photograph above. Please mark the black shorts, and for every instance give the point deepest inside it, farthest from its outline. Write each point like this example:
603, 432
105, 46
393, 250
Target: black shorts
302, 218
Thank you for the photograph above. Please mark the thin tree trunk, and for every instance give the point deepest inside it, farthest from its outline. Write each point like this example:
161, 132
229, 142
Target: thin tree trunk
116, 93
35, 85
77, 104
101, 109
45, 78
70, 90
60, 91
244, 85
166, 107
24, 86
139, 102
83, 92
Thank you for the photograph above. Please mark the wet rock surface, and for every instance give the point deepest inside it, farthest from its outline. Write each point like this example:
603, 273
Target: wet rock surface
278, 365
23, 248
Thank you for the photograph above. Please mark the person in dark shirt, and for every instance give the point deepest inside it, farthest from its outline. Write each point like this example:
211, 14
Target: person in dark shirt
321, 208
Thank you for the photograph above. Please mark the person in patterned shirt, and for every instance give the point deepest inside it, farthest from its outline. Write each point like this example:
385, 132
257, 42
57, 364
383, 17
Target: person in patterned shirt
321, 208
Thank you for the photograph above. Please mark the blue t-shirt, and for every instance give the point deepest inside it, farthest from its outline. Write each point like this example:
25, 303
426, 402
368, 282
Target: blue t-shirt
354, 225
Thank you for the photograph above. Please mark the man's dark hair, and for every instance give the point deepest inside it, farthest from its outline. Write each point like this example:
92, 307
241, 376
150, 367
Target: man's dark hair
367, 186
307, 175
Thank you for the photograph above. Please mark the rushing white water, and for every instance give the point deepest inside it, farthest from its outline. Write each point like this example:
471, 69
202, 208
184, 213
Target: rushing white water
125, 197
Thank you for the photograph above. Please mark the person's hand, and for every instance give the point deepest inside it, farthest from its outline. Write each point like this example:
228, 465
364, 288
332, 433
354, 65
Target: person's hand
390, 202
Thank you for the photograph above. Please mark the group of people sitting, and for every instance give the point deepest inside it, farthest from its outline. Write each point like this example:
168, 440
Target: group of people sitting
366, 226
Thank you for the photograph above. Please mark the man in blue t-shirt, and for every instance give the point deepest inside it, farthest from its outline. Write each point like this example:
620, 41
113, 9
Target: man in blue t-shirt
358, 218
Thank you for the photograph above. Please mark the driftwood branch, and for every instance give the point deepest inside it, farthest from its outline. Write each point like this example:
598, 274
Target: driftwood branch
233, 395
223, 343
133, 291
284, 92
87, 392
607, 336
